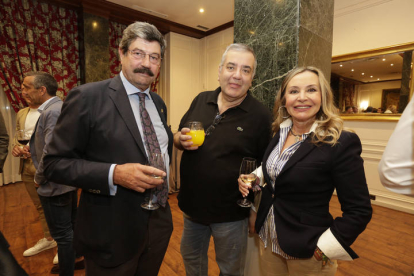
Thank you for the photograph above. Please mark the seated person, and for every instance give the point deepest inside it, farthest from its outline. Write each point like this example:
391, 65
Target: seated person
369, 109
379, 110
349, 110
392, 109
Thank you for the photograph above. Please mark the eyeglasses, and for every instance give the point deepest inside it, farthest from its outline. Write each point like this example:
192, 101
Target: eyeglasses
216, 121
140, 55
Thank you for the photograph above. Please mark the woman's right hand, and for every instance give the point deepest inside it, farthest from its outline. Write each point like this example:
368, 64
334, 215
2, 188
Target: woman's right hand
243, 187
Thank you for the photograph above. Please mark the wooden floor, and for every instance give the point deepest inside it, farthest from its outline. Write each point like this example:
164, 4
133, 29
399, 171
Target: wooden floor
386, 248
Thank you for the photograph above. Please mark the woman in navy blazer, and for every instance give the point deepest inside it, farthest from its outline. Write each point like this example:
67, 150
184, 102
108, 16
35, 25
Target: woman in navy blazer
309, 157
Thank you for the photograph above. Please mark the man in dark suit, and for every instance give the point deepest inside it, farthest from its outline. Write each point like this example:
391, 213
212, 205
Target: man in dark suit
99, 145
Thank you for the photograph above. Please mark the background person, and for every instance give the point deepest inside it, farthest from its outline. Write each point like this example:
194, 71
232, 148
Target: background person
237, 126
59, 202
26, 120
99, 145
309, 156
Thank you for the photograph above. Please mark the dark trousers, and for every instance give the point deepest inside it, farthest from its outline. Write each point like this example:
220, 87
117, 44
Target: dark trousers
148, 260
8, 264
60, 213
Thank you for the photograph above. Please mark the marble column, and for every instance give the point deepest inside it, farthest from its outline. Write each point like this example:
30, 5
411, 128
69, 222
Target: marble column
96, 47
405, 81
284, 34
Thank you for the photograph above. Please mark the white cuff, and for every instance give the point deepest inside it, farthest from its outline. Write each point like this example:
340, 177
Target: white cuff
332, 248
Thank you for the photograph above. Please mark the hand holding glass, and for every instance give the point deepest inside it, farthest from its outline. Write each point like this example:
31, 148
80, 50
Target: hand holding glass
247, 167
157, 161
23, 137
196, 132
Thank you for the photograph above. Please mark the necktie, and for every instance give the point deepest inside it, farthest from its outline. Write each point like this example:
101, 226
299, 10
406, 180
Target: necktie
152, 145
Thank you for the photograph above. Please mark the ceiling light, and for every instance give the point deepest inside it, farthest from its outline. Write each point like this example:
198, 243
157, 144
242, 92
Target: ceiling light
362, 73
378, 79
352, 70
340, 65
392, 64
372, 76
383, 59
94, 24
201, 10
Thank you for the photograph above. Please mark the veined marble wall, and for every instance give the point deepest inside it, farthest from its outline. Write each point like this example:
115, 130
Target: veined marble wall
284, 34
96, 43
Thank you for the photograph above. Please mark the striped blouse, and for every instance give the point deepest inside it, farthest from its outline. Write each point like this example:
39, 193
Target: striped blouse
274, 165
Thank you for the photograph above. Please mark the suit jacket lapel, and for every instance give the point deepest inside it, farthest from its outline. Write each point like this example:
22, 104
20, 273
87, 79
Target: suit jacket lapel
301, 152
119, 96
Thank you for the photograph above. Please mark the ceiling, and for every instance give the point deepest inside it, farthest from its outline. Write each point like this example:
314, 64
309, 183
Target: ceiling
371, 69
186, 12
218, 12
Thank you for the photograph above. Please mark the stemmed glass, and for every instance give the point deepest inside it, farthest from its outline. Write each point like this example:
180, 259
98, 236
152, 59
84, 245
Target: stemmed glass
196, 132
156, 161
23, 137
248, 165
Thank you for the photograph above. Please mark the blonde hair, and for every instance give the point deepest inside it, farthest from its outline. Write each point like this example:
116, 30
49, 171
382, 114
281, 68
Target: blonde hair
330, 125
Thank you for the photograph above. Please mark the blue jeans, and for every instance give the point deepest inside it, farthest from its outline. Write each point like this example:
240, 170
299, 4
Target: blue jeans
230, 242
60, 213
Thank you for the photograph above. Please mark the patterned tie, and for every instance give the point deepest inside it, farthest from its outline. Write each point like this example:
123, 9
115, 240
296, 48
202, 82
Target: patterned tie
152, 145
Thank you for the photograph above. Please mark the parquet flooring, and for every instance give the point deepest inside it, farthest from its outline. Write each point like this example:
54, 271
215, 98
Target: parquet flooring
386, 248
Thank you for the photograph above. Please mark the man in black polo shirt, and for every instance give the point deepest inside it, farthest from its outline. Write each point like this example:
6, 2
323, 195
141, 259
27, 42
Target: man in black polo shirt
237, 126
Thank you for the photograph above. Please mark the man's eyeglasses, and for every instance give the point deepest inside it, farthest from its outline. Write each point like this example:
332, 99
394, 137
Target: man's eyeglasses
140, 55
216, 121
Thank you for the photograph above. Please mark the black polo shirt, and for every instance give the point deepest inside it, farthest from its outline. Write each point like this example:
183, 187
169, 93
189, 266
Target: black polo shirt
209, 189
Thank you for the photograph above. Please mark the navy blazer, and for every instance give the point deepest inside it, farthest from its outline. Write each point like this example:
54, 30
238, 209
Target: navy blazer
97, 128
304, 188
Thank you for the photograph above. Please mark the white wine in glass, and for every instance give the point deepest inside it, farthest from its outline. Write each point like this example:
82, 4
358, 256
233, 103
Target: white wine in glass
248, 166
156, 160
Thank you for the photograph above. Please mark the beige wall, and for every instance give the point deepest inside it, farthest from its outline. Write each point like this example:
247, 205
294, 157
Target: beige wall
190, 67
372, 92
364, 25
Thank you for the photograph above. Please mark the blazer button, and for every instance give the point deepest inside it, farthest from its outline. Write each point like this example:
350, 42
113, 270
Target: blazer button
273, 196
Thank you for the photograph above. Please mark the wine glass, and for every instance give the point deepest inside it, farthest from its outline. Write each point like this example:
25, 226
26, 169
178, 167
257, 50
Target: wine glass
196, 132
156, 160
23, 137
248, 165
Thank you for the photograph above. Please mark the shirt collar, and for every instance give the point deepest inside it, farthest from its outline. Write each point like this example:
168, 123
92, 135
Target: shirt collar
42, 107
131, 89
244, 105
288, 124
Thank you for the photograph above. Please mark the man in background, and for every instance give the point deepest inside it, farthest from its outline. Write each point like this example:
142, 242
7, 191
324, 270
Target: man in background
396, 168
59, 201
26, 120
237, 125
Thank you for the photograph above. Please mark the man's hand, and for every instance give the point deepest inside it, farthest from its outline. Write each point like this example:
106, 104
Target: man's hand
183, 141
137, 177
21, 151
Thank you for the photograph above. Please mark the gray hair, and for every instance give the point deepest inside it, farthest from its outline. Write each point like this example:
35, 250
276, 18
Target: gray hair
44, 79
240, 48
141, 30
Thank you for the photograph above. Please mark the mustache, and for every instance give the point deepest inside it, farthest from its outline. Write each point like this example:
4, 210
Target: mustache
144, 70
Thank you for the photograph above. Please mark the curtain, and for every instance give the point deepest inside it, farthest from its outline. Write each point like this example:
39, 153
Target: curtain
37, 36
115, 36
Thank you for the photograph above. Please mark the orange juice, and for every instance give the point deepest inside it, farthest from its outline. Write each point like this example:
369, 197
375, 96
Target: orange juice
197, 137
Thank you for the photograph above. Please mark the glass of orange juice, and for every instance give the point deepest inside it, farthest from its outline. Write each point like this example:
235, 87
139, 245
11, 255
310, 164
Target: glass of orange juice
196, 132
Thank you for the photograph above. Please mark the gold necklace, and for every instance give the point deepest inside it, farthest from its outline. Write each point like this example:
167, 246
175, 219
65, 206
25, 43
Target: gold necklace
298, 137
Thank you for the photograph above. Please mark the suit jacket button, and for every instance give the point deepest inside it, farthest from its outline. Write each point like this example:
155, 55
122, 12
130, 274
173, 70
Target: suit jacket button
273, 196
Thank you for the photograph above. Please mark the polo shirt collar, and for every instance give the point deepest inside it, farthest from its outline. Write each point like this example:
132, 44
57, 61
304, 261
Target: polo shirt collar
244, 105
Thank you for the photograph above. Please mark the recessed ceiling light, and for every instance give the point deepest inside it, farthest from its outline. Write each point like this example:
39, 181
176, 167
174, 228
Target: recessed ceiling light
372, 76
378, 79
392, 64
383, 59
340, 65
201, 10
362, 73
352, 70
94, 24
